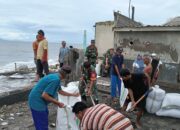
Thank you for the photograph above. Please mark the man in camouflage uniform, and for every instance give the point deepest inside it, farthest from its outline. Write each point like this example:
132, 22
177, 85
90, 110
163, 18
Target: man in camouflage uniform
107, 61
92, 53
87, 85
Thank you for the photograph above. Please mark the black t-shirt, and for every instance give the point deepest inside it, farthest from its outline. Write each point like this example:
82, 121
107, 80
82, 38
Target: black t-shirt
138, 83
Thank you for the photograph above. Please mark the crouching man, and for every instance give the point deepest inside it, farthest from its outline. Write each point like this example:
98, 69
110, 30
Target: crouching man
44, 92
100, 117
137, 85
87, 85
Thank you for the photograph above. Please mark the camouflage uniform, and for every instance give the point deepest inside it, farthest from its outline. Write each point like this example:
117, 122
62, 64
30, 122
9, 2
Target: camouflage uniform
88, 76
91, 54
106, 71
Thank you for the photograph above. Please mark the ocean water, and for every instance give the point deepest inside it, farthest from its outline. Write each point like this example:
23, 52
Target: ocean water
21, 53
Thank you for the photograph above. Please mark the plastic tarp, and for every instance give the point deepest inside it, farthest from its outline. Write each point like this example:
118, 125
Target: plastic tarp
155, 99
170, 106
66, 119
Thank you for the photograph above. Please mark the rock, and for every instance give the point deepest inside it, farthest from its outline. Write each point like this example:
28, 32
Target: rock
4, 123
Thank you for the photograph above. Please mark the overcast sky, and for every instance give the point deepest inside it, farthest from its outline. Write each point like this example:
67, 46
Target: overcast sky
66, 19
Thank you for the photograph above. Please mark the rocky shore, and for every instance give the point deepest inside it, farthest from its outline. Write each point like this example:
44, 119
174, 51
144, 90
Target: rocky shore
17, 116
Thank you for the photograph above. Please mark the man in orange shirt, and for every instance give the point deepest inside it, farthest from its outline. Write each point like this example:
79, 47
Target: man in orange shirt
42, 55
35, 48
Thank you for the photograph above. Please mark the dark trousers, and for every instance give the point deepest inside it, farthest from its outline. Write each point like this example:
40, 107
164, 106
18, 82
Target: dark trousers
42, 66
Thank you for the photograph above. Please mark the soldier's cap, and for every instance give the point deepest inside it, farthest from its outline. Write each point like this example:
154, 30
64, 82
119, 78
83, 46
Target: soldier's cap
124, 72
92, 41
65, 69
41, 32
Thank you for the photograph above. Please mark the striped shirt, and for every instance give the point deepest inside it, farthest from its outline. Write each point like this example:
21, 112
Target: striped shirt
103, 117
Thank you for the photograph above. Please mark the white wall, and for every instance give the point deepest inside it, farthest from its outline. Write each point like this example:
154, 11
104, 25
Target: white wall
104, 37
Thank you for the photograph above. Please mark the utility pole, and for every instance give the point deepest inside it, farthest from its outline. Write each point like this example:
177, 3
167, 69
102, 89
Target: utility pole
84, 41
129, 8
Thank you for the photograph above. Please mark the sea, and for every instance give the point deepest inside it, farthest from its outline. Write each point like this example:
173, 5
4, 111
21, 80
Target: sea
21, 53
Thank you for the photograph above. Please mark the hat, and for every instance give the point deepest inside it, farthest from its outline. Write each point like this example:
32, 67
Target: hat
41, 32
124, 72
92, 41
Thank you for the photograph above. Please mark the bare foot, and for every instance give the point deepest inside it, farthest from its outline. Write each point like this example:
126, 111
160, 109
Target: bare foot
138, 125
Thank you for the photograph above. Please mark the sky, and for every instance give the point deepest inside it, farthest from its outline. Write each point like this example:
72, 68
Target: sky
67, 19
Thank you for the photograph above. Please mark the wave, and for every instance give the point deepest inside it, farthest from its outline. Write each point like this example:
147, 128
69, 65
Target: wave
30, 64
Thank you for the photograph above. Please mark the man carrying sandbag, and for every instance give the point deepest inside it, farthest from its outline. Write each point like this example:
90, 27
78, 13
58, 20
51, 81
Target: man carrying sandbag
44, 92
100, 117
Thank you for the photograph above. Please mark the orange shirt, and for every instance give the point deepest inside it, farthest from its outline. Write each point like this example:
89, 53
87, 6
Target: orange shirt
35, 46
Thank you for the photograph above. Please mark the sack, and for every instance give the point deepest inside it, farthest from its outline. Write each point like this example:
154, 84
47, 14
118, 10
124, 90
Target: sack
170, 106
169, 112
66, 120
123, 95
98, 69
155, 99
171, 100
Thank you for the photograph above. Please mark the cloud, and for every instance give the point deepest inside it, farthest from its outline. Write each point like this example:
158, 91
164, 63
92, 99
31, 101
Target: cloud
66, 19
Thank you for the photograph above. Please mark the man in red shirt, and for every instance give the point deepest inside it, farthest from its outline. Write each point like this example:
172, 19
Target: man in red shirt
35, 48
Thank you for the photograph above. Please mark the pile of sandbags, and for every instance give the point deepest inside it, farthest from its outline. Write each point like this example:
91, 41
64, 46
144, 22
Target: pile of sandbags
170, 106
66, 120
155, 99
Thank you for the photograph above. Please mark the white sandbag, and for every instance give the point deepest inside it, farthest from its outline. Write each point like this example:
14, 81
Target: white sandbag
123, 95
169, 112
152, 106
98, 69
66, 120
171, 100
157, 93
155, 99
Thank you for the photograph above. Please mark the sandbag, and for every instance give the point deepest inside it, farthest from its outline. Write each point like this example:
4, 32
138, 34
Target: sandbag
123, 95
169, 112
171, 100
170, 106
155, 99
66, 120
98, 68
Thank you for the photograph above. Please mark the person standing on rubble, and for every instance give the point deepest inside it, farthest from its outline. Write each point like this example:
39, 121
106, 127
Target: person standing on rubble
35, 48
92, 53
62, 52
44, 92
107, 61
42, 55
117, 65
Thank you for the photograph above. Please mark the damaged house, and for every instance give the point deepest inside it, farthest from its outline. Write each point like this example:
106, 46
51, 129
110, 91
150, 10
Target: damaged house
164, 40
